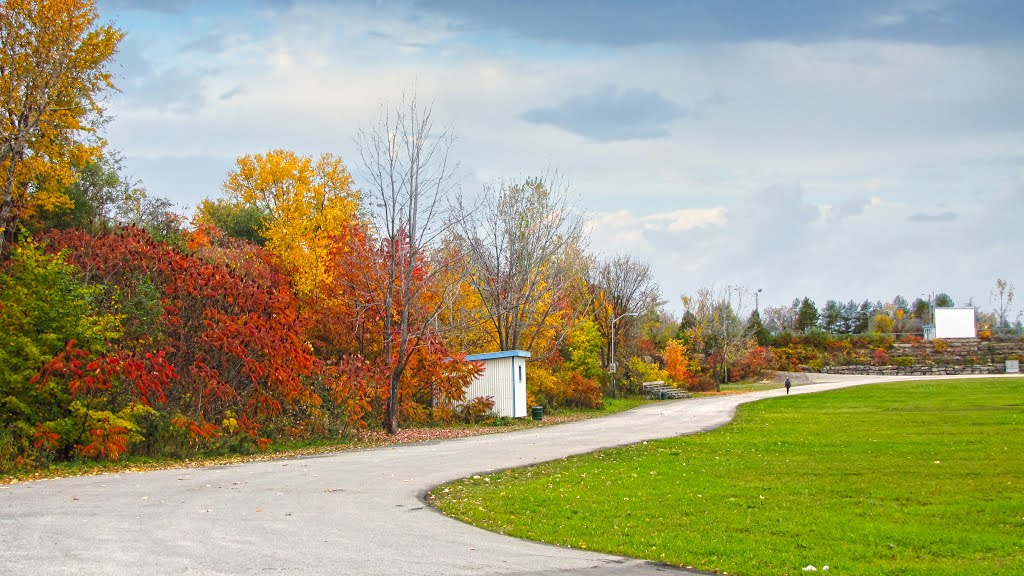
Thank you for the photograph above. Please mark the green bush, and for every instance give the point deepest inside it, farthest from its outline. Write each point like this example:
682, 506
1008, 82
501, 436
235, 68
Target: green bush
43, 306
817, 338
884, 341
902, 361
639, 371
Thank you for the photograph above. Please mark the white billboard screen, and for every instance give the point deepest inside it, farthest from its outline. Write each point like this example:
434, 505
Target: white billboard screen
955, 323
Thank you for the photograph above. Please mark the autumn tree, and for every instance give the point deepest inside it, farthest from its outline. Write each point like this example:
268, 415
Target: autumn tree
881, 323
711, 328
307, 203
54, 59
524, 246
676, 362
409, 174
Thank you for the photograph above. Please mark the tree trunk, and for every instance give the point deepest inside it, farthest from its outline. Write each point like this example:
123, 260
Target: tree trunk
391, 416
7, 207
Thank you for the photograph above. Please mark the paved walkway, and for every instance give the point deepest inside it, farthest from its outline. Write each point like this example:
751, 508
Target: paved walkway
358, 512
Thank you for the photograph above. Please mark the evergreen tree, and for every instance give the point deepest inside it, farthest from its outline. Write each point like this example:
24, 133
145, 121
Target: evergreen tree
832, 317
807, 316
756, 329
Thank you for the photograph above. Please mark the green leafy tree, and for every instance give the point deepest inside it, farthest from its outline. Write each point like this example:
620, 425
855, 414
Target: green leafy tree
943, 300
920, 310
94, 193
686, 325
241, 220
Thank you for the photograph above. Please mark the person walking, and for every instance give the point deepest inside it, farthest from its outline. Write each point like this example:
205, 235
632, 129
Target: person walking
788, 384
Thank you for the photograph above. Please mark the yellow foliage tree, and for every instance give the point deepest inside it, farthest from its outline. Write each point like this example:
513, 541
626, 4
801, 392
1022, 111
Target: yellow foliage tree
53, 70
882, 324
308, 202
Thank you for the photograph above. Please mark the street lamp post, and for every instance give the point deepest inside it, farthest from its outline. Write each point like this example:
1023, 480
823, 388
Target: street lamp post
725, 352
931, 316
756, 294
611, 362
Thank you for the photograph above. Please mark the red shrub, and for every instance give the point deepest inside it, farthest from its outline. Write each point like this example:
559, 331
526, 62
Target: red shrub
754, 364
880, 357
230, 327
581, 391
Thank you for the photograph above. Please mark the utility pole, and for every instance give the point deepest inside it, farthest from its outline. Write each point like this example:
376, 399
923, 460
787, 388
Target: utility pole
611, 363
725, 351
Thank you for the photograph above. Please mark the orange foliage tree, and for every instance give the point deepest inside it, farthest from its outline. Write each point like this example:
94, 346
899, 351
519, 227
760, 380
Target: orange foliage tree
360, 317
676, 362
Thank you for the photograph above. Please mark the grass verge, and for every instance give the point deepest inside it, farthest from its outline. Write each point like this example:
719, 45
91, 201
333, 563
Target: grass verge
291, 448
908, 478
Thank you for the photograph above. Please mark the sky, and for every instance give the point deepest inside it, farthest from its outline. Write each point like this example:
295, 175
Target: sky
835, 150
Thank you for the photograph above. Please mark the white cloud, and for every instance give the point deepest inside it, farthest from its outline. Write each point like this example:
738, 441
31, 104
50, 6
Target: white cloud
775, 240
874, 132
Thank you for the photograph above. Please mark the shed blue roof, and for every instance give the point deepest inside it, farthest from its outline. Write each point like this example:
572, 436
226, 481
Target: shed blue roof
502, 354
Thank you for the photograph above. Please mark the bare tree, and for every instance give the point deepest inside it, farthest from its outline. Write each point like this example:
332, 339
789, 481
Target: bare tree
624, 284
780, 318
1001, 298
524, 246
409, 177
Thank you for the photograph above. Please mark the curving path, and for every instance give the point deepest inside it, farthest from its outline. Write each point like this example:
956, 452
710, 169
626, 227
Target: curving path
358, 512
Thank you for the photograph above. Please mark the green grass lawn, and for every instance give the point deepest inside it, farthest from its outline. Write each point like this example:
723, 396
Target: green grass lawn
907, 478
609, 406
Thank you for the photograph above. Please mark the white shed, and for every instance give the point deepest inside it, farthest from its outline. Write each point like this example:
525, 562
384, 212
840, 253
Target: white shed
504, 380
955, 323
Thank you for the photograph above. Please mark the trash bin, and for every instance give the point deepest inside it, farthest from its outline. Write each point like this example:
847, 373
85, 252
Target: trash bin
664, 395
537, 412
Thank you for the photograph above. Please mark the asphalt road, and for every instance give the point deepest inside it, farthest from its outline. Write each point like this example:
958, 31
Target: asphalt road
357, 512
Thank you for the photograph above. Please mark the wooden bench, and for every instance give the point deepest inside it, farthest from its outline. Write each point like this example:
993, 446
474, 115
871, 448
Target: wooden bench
660, 390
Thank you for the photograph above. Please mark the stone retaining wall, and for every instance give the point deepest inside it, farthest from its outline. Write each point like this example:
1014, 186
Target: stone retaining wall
960, 351
942, 357
916, 370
